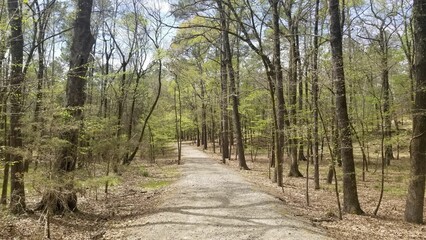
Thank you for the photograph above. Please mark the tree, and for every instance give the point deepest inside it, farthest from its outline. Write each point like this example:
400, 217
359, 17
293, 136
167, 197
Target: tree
293, 77
155, 35
178, 118
81, 46
380, 22
315, 91
279, 149
17, 188
234, 98
414, 207
3, 100
224, 90
350, 194
249, 31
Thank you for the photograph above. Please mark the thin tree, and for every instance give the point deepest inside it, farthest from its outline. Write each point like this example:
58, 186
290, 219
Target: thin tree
155, 35
224, 90
279, 149
3, 106
293, 75
315, 93
350, 194
234, 98
178, 118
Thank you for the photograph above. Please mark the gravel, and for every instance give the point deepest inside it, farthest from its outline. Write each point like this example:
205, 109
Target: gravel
211, 201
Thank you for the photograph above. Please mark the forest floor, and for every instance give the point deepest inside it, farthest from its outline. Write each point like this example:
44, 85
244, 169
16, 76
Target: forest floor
137, 190
204, 199
323, 210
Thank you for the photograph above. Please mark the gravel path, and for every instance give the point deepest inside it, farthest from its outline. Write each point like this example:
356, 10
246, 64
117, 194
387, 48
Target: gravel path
211, 201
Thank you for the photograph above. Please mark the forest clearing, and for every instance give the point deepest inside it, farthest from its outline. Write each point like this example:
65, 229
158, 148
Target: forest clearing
212, 119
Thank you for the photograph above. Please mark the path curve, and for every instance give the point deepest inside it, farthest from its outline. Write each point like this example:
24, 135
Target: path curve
211, 201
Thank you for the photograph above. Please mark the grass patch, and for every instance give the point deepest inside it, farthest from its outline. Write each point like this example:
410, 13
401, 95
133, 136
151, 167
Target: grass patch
392, 190
155, 184
396, 191
171, 171
143, 171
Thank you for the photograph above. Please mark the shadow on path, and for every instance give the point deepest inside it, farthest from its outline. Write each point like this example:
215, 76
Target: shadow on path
214, 202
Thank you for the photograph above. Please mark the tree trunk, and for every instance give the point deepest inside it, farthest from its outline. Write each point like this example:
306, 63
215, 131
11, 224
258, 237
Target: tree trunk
17, 188
279, 136
213, 127
235, 101
3, 126
224, 92
315, 93
350, 194
121, 100
64, 197
414, 207
387, 114
3, 199
178, 119
294, 165
42, 25
300, 115
384, 49
204, 134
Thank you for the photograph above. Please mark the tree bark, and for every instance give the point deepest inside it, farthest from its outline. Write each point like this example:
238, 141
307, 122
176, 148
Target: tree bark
414, 207
350, 194
17, 188
279, 138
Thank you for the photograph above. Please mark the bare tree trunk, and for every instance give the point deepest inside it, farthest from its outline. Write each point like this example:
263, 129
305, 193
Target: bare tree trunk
279, 137
105, 71
294, 165
213, 128
41, 27
300, 115
121, 100
384, 49
235, 101
204, 134
350, 194
224, 94
17, 188
3, 199
178, 118
387, 115
315, 93
414, 207
3, 126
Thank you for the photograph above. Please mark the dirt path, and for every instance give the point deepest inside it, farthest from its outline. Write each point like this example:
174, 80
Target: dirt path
211, 201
